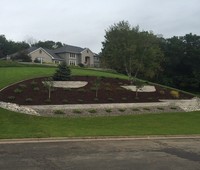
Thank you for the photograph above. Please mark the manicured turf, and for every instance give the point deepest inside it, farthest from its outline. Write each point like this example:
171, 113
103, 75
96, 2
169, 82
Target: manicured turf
9, 75
16, 125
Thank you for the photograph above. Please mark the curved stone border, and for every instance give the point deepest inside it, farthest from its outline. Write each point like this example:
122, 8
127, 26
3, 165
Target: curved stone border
17, 108
69, 84
143, 89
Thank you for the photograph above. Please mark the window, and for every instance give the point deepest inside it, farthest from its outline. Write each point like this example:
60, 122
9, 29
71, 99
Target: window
72, 55
72, 62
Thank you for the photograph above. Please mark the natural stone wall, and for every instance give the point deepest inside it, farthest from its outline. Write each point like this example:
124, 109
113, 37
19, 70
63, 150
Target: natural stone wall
17, 108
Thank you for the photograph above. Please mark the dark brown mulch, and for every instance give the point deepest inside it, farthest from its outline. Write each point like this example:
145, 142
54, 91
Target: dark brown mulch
109, 92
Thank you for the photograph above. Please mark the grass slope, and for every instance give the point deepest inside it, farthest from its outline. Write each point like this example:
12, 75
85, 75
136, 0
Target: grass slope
15, 125
9, 75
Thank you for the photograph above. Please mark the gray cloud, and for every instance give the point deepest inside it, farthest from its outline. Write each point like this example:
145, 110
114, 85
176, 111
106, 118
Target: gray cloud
83, 23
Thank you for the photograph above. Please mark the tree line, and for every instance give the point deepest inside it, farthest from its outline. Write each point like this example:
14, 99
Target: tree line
142, 54
8, 47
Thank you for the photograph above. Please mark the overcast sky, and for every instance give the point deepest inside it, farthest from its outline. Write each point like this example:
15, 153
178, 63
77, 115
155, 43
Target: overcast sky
83, 22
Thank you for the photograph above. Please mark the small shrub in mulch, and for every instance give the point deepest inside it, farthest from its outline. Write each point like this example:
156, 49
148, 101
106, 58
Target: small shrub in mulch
80, 100
17, 90
108, 89
96, 99
34, 83
135, 109
77, 111
173, 108
47, 101
175, 94
67, 89
81, 90
108, 110
22, 86
93, 88
160, 108
147, 109
110, 99
122, 110
29, 100
59, 112
162, 92
92, 111
124, 98
11, 98
65, 101
36, 88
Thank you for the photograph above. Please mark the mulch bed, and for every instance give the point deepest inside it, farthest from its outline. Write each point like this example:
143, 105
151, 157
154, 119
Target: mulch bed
33, 92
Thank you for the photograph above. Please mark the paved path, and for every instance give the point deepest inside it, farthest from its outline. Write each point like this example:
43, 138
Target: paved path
151, 154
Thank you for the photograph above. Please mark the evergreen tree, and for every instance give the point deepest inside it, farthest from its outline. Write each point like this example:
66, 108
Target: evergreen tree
62, 73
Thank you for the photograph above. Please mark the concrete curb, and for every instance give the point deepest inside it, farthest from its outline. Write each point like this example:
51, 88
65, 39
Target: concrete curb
102, 138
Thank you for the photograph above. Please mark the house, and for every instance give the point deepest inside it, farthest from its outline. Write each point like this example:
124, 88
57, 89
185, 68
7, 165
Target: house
71, 54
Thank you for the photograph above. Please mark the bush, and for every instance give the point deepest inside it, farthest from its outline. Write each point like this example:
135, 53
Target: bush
22, 85
162, 92
122, 110
11, 97
124, 98
135, 109
28, 100
92, 111
77, 111
110, 99
81, 65
65, 101
63, 72
80, 100
59, 112
34, 83
81, 90
18, 91
47, 101
108, 110
36, 88
96, 99
174, 94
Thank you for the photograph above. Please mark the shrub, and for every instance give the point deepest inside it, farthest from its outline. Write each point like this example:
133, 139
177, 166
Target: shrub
65, 101
96, 99
81, 90
92, 111
36, 88
160, 108
28, 100
93, 88
110, 99
120, 83
135, 109
108, 89
146, 109
81, 65
59, 112
17, 90
67, 89
124, 98
108, 110
22, 85
173, 108
62, 73
11, 97
80, 100
77, 111
162, 92
47, 101
34, 83
122, 110
174, 94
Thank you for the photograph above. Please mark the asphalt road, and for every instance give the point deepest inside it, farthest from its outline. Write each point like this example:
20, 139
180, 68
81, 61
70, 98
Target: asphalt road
165, 154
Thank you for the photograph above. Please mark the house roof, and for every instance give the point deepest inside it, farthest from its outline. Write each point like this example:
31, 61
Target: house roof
69, 48
50, 52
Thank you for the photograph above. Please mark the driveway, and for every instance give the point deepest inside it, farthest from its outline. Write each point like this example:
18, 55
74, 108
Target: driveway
151, 154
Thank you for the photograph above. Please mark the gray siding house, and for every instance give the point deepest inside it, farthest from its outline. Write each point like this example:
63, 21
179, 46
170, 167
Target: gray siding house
71, 54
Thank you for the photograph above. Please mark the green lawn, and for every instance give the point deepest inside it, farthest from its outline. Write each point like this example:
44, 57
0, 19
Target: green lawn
16, 125
9, 75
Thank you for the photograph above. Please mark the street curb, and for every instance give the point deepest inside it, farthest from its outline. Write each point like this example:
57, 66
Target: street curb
87, 139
